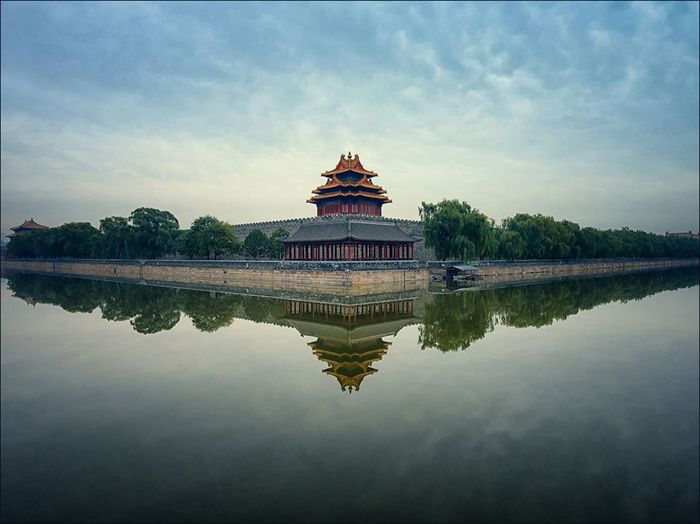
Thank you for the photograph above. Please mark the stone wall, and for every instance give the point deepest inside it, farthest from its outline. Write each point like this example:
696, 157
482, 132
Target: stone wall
348, 278
341, 278
526, 268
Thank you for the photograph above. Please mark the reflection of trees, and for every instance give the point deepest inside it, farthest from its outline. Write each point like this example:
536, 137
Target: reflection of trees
450, 322
149, 309
455, 321
257, 308
158, 310
210, 311
75, 297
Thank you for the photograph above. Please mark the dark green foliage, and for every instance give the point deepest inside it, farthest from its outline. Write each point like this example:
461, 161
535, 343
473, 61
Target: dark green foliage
22, 246
208, 237
153, 233
276, 248
511, 245
114, 234
256, 244
72, 240
149, 233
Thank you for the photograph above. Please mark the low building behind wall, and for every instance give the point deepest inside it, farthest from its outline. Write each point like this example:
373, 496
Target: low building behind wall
412, 228
349, 240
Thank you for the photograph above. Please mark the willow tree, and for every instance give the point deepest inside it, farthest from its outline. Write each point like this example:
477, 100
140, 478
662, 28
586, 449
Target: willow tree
456, 230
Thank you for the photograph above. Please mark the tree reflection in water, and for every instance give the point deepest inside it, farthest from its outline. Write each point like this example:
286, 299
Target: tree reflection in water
448, 323
455, 321
349, 339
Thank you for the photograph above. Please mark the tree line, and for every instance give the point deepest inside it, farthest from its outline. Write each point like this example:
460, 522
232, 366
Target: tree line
147, 233
455, 230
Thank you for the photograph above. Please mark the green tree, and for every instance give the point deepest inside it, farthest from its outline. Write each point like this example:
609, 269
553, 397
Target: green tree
114, 234
256, 244
153, 233
456, 230
277, 247
209, 237
22, 246
77, 240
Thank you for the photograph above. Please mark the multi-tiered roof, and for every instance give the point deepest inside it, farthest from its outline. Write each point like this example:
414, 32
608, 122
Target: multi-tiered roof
349, 190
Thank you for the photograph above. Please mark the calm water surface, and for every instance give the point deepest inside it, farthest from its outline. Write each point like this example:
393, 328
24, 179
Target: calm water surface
568, 401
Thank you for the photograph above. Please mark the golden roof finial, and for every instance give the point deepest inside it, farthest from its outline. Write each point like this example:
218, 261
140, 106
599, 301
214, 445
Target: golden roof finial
349, 155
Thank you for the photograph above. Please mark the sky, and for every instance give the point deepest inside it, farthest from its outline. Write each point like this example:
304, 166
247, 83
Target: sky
581, 111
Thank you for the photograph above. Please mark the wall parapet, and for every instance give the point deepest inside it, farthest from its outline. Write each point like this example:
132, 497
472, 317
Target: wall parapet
295, 265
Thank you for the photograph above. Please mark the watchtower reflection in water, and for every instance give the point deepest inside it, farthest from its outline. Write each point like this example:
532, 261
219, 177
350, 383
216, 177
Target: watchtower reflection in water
349, 338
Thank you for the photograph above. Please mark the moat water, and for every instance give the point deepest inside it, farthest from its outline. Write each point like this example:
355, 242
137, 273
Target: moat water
567, 401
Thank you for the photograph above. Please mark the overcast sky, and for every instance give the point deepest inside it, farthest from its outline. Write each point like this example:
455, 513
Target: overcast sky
581, 111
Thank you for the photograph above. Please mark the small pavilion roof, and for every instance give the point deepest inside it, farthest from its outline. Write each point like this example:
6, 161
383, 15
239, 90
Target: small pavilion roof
350, 230
29, 224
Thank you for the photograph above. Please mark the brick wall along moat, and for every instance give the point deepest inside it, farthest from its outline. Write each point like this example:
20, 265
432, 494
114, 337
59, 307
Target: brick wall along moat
341, 278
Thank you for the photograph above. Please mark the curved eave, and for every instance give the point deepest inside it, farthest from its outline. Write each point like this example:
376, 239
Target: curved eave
321, 189
368, 174
349, 194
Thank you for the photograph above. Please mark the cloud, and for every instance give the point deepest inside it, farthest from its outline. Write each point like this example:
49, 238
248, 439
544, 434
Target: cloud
583, 111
